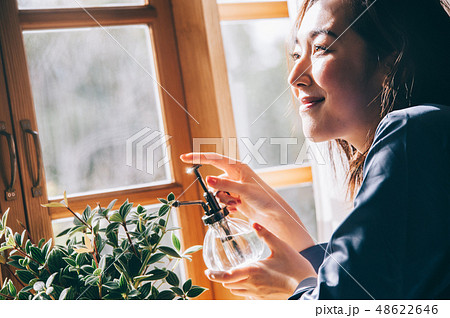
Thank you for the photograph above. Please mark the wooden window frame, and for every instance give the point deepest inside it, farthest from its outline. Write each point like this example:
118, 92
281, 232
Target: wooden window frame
197, 23
278, 176
253, 10
193, 70
158, 16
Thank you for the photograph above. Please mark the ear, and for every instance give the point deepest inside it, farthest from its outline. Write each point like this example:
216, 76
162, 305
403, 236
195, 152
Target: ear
386, 64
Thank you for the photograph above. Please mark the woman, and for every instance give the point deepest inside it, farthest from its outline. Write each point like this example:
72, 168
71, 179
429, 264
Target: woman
372, 76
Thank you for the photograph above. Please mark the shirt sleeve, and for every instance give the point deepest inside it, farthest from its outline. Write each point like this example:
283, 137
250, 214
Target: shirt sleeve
315, 255
362, 258
305, 285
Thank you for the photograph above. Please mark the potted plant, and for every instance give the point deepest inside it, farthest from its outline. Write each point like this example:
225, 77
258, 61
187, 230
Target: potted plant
110, 254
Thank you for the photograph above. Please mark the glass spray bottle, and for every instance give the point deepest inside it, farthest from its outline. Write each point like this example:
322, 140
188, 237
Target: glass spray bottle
229, 242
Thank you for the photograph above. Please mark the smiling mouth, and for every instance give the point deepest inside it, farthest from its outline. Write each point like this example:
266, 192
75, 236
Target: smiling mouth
308, 103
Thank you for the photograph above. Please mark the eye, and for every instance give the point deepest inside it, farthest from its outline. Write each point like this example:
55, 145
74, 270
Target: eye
320, 49
295, 56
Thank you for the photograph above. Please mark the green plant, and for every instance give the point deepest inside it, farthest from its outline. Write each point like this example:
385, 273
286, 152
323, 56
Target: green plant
137, 265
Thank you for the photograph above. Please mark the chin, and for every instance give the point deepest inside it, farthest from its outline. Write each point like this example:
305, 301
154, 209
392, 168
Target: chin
314, 133
317, 139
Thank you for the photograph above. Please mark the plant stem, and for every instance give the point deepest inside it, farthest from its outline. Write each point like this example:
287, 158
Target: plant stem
163, 230
162, 235
162, 282
124, 224
100, 209
147, 258
100, 287
26, 230
10, 271
75, 215
24, 254
32, 271
173, 267
176, 264
95, 253
144, 265
100, 278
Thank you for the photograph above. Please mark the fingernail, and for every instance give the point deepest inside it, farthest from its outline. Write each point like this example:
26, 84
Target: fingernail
212, 180
257, 227
232, 202
208, 273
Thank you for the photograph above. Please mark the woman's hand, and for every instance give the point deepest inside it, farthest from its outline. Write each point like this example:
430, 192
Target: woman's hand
273, 278
250, 195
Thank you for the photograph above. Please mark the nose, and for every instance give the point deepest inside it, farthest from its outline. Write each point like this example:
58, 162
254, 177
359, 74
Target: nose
300, 74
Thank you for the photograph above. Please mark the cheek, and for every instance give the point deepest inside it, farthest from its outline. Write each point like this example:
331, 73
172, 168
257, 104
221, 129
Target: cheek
338, 79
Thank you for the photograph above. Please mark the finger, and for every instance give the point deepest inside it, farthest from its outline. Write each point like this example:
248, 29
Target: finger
232, 209
250, 294
227, 198
229, 202
227, 164
207, 158
228, 277
226, 184
241, 292
225, 176
272, 241
219, 193
242, 284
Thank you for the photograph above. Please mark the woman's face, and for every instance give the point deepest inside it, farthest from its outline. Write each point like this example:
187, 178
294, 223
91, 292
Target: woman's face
335, 78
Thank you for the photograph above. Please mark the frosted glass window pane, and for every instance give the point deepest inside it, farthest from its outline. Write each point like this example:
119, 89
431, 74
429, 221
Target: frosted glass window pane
301, 199
256, 58
45, 4
91, 95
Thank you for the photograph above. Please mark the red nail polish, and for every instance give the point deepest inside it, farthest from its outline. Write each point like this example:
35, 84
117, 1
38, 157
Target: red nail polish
257, 227
212, 180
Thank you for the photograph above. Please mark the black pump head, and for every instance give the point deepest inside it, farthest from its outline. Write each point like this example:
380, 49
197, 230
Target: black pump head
213, 211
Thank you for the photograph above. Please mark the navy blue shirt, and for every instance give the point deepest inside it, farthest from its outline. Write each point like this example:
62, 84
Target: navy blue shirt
395, 244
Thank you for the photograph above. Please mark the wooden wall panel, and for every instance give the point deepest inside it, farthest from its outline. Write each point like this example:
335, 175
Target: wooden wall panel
17, 210
21, 105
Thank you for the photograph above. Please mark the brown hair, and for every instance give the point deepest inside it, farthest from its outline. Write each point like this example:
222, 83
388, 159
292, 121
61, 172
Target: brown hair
413, 32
